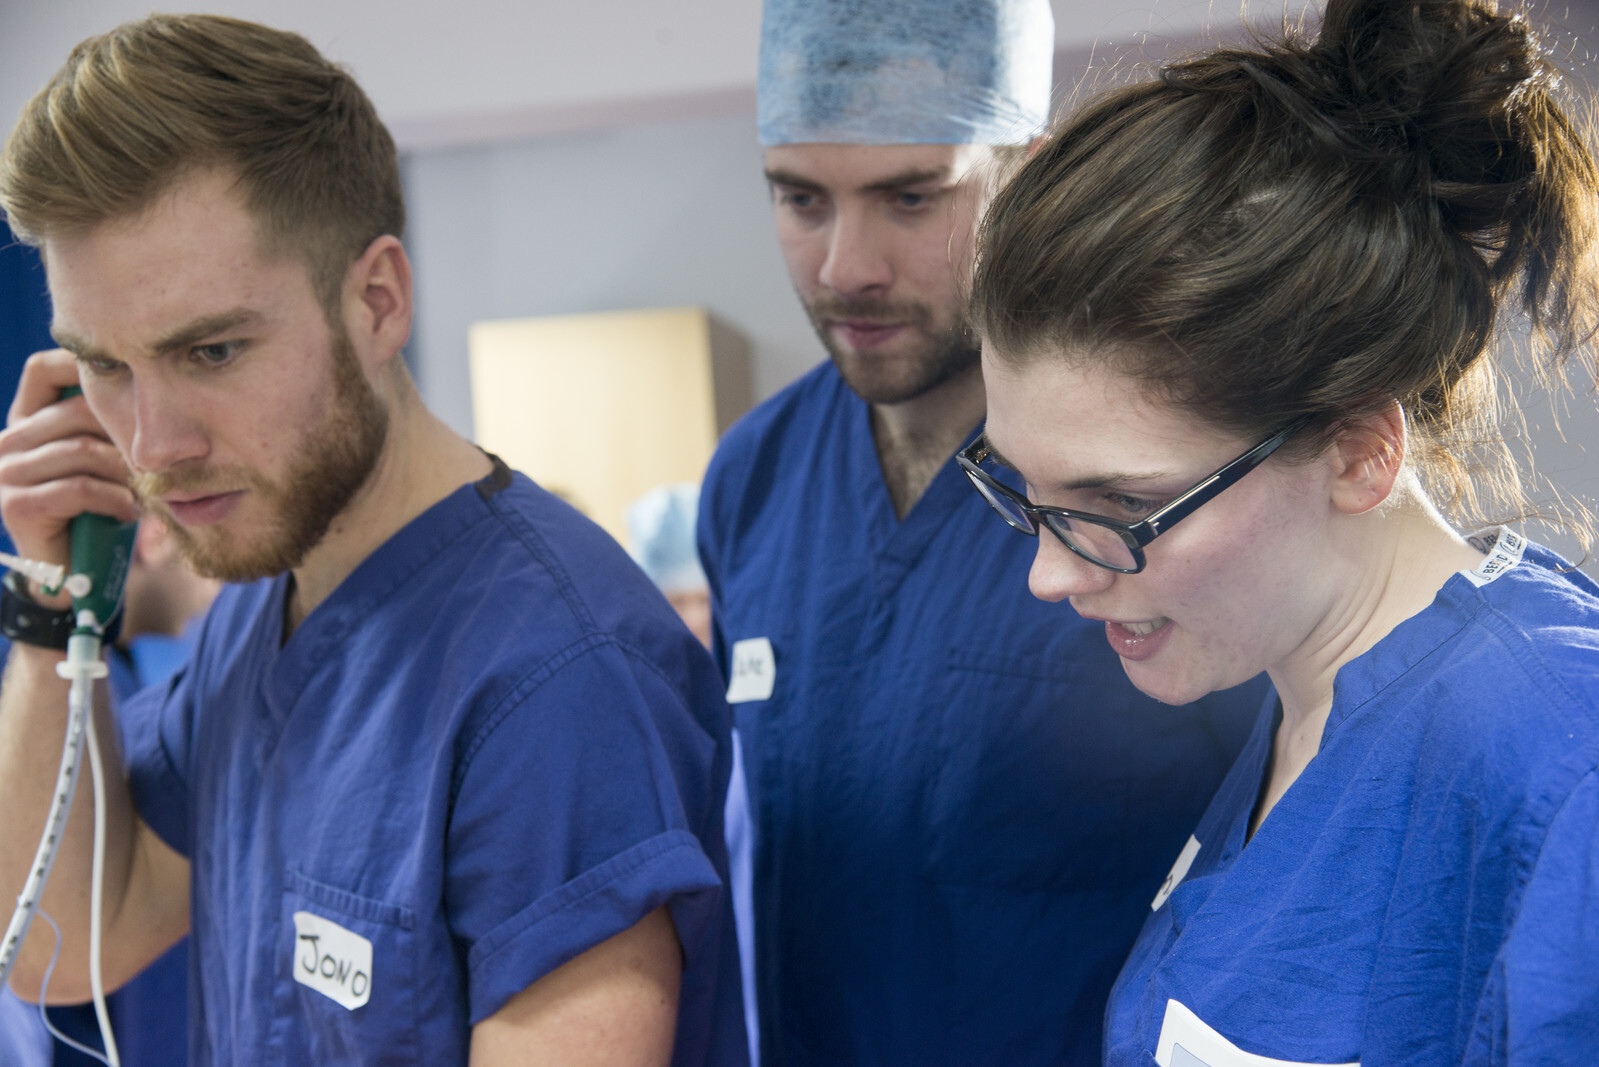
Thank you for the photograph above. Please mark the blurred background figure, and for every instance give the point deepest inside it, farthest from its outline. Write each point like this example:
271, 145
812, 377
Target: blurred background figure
661, 526
161, 613
23, 1040
161, 610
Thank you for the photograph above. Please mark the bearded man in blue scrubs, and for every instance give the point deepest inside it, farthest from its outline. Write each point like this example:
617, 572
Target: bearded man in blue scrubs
962, 809
443, 778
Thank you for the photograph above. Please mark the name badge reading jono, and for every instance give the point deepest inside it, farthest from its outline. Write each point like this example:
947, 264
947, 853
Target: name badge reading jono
332, 960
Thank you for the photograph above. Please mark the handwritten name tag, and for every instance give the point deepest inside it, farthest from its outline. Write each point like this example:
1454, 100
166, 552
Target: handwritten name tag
1186, 1040
1179, 871
332, 960
754, 671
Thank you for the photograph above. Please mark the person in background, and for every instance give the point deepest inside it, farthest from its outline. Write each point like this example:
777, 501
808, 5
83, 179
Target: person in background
162, 605
443, 779
163, 601
1238, 326
961, 807
661, 524
24, 1042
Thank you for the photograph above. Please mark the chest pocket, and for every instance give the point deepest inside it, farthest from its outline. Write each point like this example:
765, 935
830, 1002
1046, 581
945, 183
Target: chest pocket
347, 972
1017, 752
1056, 774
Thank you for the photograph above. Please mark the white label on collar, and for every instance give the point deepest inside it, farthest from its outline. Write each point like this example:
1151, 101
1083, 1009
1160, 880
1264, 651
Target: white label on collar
754, 671
332, 960
1504, 547
1185, 1041
1179, 871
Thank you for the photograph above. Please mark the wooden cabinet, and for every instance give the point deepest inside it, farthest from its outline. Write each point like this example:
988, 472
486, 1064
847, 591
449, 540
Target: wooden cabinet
602, 408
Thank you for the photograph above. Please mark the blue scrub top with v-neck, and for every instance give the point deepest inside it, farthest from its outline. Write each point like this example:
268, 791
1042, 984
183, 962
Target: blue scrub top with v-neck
961, 807
1426, 893
492, 747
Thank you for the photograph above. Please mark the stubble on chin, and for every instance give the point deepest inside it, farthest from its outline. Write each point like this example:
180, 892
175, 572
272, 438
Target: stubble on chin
934, 355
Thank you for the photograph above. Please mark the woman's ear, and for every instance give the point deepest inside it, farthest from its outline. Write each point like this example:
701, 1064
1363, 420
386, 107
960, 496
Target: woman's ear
1368, 454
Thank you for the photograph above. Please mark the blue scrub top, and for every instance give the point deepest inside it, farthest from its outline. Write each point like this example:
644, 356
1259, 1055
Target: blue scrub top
491, 748
961, 807
1427, 892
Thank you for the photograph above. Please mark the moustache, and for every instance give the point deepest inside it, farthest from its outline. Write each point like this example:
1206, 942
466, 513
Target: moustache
871, 308
151, 486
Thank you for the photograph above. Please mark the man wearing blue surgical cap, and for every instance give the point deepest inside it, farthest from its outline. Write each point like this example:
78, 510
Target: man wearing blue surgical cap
961, 808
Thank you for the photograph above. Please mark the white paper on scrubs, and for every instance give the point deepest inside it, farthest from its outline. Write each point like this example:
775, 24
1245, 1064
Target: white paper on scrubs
754, 671
1185, 1041
1179, 871
332, 960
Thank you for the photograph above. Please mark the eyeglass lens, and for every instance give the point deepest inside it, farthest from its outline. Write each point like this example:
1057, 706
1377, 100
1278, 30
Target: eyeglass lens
1097, 542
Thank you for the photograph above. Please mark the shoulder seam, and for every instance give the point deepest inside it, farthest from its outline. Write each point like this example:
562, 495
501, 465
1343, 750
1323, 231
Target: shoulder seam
535, 679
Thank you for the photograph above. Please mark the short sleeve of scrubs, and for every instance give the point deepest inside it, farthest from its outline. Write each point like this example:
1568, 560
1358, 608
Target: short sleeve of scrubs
155, 727
610, 844
1548, 971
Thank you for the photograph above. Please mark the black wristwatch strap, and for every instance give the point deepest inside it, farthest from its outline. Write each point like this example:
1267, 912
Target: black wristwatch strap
24, 620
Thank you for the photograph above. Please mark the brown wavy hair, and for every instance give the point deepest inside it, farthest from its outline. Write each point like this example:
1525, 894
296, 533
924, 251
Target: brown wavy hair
1314, 228
135, 109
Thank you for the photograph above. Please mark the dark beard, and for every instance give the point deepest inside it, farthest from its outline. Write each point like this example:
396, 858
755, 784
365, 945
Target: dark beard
328, 468
943, 353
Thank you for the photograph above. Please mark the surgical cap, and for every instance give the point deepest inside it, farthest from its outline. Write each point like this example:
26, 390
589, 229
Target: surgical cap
661, 526
905, 71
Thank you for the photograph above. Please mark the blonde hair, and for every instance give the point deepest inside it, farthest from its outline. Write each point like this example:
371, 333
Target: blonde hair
133, 110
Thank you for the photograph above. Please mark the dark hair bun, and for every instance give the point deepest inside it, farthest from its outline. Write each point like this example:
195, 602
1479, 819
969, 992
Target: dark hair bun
1310, 227
1443, 101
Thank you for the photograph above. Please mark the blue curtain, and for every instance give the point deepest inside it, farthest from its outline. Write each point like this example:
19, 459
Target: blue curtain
24, 316
24, 310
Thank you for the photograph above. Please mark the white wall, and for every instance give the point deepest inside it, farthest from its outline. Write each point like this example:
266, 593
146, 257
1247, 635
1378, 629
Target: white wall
447, 72
667, 214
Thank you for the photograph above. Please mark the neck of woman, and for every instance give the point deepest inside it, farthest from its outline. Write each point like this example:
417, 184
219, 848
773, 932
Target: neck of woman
1387, 569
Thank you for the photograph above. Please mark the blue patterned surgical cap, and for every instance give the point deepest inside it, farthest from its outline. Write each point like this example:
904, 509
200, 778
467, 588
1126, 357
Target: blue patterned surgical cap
661, 526
905, 71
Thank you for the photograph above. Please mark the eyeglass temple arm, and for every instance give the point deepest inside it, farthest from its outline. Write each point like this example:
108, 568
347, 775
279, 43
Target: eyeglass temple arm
1207, 490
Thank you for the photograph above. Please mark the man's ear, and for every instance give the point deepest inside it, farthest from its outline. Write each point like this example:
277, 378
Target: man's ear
378, 300
1369, 453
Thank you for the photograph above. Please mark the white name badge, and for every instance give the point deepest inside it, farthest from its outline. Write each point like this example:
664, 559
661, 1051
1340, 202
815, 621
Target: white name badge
332, 960
1179, 871
1185, 1041
754, 671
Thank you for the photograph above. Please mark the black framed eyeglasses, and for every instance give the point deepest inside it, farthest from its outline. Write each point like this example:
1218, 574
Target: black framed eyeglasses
1107, 542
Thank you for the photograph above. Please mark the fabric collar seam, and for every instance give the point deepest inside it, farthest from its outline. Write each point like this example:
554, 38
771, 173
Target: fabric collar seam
520, 528
1525, 652
360, 609
518, 693
1392, 679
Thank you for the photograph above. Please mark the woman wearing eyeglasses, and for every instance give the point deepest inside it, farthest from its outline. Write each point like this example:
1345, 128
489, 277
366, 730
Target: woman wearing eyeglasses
1237, 328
